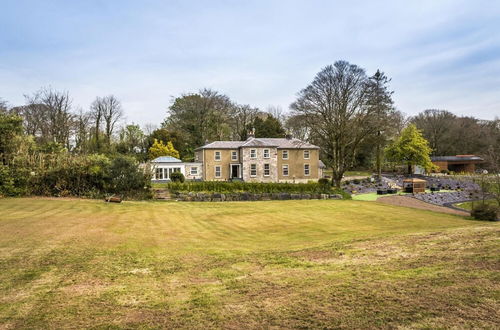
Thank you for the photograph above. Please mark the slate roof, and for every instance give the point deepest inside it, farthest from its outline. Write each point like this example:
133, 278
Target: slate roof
458, 158
280, 143
166, 159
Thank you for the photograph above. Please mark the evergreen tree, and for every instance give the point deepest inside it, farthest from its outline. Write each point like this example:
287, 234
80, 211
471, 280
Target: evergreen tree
381, 104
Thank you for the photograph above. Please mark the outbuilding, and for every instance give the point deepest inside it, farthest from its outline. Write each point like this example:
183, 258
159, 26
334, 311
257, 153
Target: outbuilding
414, 185
458, 163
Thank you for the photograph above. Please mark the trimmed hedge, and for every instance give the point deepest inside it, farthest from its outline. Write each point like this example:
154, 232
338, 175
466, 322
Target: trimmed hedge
253, 187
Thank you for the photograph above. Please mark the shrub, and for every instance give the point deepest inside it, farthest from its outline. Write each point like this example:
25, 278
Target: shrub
324, 182
356, 181
445, 171
485, 212
177, 177
127, 179
253, 187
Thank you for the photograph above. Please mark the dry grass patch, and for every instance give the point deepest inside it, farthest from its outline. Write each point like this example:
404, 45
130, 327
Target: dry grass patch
296, 264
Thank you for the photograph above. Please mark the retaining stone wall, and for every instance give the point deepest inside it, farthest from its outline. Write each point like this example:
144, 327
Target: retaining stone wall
217, 197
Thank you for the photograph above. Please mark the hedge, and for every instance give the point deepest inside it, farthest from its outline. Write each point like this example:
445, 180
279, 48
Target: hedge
253, 187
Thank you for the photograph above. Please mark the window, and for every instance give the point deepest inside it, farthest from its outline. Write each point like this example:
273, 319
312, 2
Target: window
253, 169
266, 153
217, 155
306, 154
159, 174
234, 155
171, 170
284, 154
285, 170
306, 169
253, 153
194, 170
217, 171
267, 170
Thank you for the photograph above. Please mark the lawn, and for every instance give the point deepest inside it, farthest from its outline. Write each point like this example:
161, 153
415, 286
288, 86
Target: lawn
302, 264
468, 205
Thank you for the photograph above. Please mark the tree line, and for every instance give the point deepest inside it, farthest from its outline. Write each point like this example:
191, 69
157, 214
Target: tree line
351, 115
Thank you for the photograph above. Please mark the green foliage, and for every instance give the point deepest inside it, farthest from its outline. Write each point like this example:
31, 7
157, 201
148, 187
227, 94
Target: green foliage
484, 211
69, 175
254, 187
177, 177
126, 177
268, 128
10, 127
411, 148
159, 149
323, 182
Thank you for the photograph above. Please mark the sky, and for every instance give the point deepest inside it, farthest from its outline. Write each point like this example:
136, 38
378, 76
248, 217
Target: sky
439, 54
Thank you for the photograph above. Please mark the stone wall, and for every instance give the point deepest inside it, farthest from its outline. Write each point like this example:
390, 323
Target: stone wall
260, 161
218, 197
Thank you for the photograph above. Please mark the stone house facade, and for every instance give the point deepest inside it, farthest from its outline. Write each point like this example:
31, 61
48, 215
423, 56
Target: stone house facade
260, 160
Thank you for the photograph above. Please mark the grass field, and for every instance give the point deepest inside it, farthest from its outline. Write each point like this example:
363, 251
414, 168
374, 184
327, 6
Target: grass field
468, 205
302, 264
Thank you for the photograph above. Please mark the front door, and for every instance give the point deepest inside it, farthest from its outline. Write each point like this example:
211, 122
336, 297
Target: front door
235, 171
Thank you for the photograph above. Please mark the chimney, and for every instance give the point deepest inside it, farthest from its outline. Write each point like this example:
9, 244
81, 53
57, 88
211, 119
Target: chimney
288, 135
251, 133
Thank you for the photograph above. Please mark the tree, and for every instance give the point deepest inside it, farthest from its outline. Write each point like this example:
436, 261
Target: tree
159, 149
242, 118
82, 131
50, 115
107, 111
132, 139
201, 117
10, 127
270, 127
3, 106
411, 148
381, 104
437, 127
178, 140
334, 108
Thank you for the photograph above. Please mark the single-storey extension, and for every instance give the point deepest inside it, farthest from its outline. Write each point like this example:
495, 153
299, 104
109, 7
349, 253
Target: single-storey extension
458, 163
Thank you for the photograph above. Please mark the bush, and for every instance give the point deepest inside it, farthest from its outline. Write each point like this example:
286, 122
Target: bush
356, 181
485, 212
445, 171
64, 174
177, 177
253, 187
324, 182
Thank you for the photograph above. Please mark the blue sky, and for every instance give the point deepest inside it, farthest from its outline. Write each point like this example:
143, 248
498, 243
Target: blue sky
439, 54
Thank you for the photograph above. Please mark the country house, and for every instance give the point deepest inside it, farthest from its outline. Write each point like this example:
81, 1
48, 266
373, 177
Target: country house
253, 160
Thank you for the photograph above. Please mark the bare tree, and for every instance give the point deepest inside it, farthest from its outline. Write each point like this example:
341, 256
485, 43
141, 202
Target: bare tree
49, 115
106, 112
242, 118
334, 107
3, 106
437, 126
278, 113
82, 131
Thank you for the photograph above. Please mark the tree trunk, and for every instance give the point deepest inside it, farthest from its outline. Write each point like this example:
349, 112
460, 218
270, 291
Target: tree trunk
409, 168
378, 159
